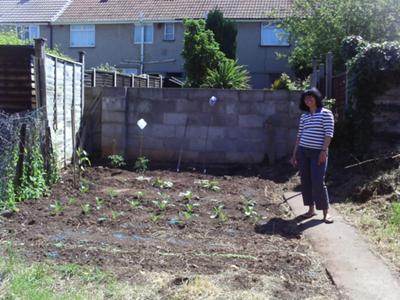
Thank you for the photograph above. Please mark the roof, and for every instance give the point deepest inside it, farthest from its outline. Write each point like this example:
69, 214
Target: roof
31, 11
128, 11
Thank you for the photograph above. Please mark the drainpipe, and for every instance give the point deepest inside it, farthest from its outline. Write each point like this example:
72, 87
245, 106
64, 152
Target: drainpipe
51, 36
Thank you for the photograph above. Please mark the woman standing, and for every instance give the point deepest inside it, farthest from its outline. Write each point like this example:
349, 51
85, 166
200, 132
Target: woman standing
311, 152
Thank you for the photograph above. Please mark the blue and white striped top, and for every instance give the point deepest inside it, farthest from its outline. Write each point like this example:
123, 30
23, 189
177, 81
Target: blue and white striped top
314, 127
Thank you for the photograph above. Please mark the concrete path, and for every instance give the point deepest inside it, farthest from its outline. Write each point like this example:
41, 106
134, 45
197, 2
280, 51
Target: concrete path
357, 272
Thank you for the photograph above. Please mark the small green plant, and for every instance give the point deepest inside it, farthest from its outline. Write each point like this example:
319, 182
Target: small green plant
218, 213
211, 185
72, 200
83, 159
99, 203
154, 217
163, 184
84, 186
86, 208
141, 164
248, 208
188, 195
134, 203
115, 215
190, 207
163, 203
187, 215
117, 161
139, 195
395, 215
56, 208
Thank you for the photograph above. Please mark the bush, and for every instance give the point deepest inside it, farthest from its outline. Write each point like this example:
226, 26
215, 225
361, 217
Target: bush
228, 75
117, 161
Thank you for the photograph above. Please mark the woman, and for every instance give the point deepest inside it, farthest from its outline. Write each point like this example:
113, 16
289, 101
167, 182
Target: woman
311, 152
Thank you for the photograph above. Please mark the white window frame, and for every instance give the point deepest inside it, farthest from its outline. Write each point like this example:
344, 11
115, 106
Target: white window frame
166, 34
137, 34
277, 39
22, 28
80, 28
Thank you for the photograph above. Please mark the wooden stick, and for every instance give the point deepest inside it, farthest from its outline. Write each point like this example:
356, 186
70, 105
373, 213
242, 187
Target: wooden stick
372, 160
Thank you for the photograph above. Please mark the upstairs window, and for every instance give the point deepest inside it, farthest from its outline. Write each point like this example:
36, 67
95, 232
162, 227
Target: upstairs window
82, 35
169, 31
148, 34
271, 35
27, 32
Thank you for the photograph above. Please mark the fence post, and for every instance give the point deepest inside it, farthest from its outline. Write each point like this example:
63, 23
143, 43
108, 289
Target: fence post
328, 75
148, 80
314, 73
161, 81
133, 80
40, 72
94, 78
115, 79
82, 57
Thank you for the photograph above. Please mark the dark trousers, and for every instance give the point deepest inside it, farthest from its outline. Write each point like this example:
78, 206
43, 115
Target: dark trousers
312, 176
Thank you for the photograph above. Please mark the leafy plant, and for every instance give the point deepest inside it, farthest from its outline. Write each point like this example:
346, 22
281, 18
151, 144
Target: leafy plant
188, 195
227, 75
134, 203
218, 213
187, 215
99, 203
209, 184
139, 195
141, 164
84, 186
163, 184
190, 207
57, 208
163, 203
115, 215
117, 161
72, 200
154, 217
83, 159
112, 193
248, 209
86, 208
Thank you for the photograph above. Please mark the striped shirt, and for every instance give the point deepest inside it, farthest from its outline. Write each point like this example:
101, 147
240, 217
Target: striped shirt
314, 127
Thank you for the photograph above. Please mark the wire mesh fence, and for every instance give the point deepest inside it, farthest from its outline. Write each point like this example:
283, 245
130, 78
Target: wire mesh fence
27, 161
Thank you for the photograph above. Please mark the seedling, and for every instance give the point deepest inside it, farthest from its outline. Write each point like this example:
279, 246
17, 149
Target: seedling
190, 207
141, 164
162, 204
99, 203
117, 161
112, 193
84, 186
188, 195
218, 212
86, 208
154, 217
248, 209
72, 200
56, 208
115, 215
211, 185
139, 195
163, 184
134, 203
187, 215
83, 159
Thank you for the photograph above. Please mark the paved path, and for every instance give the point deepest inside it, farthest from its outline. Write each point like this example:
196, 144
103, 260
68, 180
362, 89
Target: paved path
357, 272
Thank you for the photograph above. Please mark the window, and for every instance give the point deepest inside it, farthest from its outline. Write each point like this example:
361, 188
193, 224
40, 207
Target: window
169, 31
82, 35
148, 34
273, 36
27, 32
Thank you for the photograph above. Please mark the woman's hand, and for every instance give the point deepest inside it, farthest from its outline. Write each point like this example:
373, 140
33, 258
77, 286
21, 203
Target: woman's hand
293, 161
322, 157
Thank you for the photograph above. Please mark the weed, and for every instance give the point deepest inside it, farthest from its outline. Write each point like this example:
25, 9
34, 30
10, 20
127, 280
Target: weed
99, 203
117, 161
134, 203
72, 200
218, 212
188, 195
154, 217
86, 208
141, 164
211, 185
163, 184
56, 208
115, 215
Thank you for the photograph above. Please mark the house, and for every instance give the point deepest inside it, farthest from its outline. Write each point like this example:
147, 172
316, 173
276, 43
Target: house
111, 31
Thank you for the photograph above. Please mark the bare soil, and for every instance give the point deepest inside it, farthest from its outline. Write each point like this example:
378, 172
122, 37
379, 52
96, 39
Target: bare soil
126, 240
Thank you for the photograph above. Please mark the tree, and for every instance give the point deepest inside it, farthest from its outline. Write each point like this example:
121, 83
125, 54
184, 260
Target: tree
317, 26
200, 51
224, 30
228, 75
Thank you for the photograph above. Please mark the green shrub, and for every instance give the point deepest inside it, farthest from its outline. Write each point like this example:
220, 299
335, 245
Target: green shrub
117, 161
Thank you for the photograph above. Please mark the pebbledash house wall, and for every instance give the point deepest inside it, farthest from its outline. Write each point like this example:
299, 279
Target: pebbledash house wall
244, 127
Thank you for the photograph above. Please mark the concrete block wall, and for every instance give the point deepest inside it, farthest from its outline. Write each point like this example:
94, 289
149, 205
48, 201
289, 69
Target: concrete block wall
244, 127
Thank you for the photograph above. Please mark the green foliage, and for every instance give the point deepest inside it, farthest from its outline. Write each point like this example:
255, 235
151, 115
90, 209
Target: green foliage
211, 185
72, 200
84, 186
317, 27
154, 217
83, 159
115, 215
116, 160
188, 195
107, 67
141, 164
163, 203
225, 32
134, 203
395, 215
219, 213
99, 203
56, 208
329, 103
200, 51
10, 38
86, 208
227, 75
285, 83
374, 69
163, 184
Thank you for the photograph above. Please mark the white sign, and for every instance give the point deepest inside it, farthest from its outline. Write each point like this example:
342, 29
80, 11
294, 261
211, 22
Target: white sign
212, 100
141, 123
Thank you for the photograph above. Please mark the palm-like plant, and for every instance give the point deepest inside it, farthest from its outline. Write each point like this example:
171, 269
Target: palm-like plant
228, 75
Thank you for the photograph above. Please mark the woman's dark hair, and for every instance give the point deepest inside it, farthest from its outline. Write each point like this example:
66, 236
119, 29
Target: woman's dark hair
311, 92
